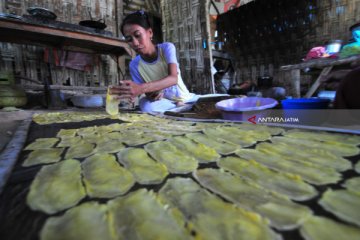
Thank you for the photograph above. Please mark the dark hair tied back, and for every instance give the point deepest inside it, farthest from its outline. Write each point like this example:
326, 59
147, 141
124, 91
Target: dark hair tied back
140, 18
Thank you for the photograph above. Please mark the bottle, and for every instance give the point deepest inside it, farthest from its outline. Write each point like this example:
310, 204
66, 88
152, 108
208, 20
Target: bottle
112, 104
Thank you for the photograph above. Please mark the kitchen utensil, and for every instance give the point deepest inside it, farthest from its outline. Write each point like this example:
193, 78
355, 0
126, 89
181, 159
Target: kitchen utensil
41, 13
99, 24
264, 81
241, 109
88, 101
333, 46
11, 16
305, 103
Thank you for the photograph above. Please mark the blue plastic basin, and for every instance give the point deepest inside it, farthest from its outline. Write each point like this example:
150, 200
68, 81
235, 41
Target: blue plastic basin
305, 103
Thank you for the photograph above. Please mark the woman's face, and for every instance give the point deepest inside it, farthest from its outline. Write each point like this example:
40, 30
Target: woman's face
139, 38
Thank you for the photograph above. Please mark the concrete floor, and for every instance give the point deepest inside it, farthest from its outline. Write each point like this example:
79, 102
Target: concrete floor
9, 121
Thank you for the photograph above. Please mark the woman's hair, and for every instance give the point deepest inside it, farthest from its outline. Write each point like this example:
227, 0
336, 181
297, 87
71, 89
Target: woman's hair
140, 18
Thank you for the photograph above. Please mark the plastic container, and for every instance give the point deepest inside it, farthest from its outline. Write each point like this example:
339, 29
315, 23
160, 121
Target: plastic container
327, 94
241, 109
112, 104
333, 46
308, 111
305, 103
87, 101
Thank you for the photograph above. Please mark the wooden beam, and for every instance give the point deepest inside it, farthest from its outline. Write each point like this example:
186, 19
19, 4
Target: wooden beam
60, 87
16, 31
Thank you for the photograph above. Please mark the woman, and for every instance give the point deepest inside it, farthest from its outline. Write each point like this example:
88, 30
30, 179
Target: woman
154, 71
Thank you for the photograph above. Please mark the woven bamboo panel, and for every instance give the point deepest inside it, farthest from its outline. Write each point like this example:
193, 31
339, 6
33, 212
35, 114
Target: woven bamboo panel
185, 25
28, 61
266, 34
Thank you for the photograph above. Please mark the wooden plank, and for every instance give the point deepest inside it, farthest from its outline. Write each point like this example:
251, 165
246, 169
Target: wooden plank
10, 154
321, 63
60, 87
295, 82
26, 33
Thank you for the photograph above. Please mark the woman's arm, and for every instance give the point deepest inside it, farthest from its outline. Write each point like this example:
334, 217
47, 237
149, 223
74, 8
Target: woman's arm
168, 81
129, 90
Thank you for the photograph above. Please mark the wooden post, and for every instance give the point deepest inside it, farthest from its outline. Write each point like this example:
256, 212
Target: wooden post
317, 83
295, 82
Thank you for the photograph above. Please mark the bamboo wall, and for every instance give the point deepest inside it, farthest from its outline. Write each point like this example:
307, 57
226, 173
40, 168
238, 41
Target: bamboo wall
266, 34
28, 61
185, 23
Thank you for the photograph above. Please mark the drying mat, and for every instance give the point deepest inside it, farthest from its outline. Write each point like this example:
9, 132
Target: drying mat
17, 221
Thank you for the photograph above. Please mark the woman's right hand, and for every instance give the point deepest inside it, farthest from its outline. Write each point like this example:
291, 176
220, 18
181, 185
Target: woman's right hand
127, 89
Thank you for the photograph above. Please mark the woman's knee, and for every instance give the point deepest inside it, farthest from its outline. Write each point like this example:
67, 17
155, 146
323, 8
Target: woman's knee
155, 106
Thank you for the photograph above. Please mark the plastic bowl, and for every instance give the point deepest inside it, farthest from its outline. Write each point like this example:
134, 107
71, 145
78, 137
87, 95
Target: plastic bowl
87, 101
240, 109
309, 111
305, 103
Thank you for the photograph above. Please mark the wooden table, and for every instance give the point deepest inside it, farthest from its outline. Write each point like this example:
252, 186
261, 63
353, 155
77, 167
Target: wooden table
48, 35
17, 31
326, 65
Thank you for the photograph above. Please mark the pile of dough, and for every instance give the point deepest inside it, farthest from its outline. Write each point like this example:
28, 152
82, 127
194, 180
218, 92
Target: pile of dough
140, 215
64, 117
300, 153
222, 147
104, 177
353, 184
56, 187
357, 167
284, 183
43, 156
70, 141
209, 216
109, 146
342, 203
42, 143
340, 145
225, 134
174, 159
261, 128
280, 210
324, 136
309, 172
88, 221
320, 228
63, 133
144, 168
199, 151
80, 150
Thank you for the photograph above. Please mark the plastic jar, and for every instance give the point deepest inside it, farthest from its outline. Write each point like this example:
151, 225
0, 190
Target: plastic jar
333, 46
112, 104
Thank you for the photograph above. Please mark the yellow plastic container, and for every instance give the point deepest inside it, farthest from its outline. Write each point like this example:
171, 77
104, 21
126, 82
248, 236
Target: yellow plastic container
112, 104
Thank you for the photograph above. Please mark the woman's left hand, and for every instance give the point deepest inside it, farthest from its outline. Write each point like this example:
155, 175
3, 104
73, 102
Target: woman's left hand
154, 96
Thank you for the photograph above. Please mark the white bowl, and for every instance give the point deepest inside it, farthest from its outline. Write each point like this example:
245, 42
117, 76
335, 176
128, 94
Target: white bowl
88, 101
240, 109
